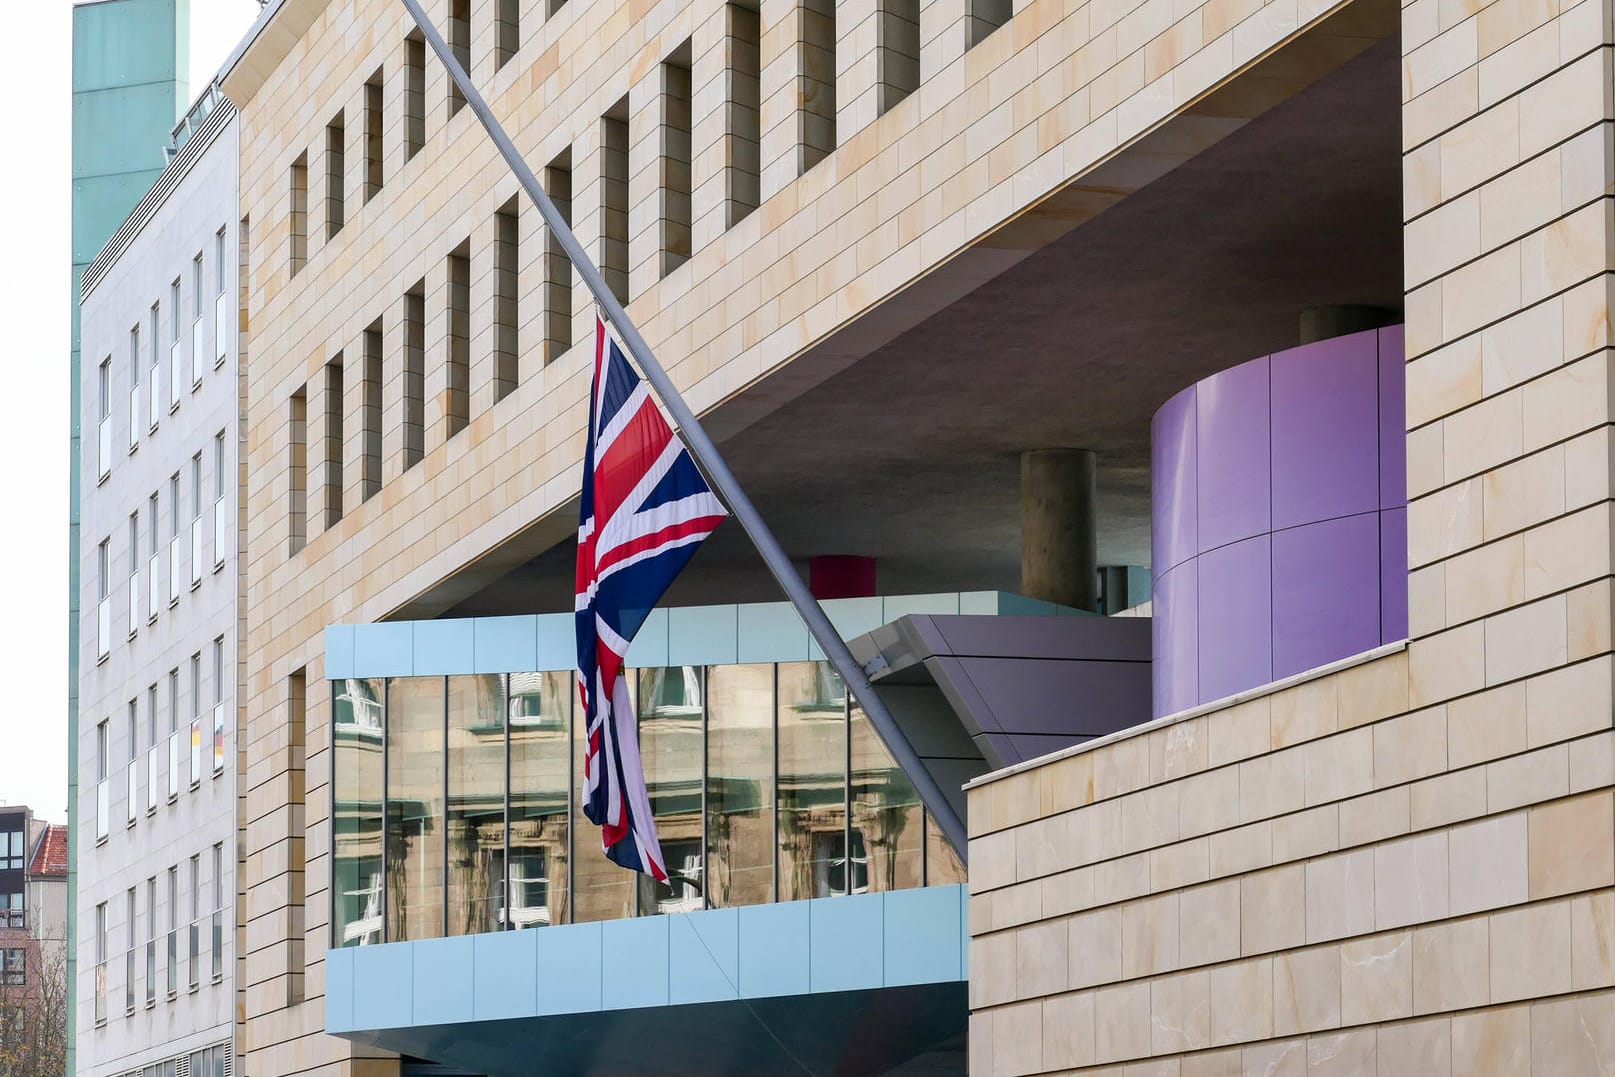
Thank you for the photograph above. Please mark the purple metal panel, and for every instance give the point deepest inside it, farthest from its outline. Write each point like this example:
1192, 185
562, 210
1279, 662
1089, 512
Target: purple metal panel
1325, 421
1039, 696
1173, 503
1393, 575
1234, 487
1393, 418
1235, 617
1175, 671
1326, 593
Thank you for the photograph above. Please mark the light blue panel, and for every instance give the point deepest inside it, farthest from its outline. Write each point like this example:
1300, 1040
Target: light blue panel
964, 931
557, 642
505, 977
339, 990
851, 617
383, 989
1011, 605
702, 635
443, 646
649, 647
903, 605
443, 971
635, 951
384, 650
1138, 585
703, 952
773, 949
338, 651
845, 942
978, 603
922, 936
504, 644
771, 632
569, 968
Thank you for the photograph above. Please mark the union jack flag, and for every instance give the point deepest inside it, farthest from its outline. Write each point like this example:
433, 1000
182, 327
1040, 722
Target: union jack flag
646, 508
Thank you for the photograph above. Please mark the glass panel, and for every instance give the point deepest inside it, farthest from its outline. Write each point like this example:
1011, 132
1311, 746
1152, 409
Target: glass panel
670, 745
887, 822
414, 808
942, 867
476, 816
600, 889
740, 785
356, 712
540, 709
812, 780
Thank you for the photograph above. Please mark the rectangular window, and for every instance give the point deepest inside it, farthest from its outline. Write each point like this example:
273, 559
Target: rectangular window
105, 392
614, 199
173, 539
816, 74
129, 955
221, 305
373, 136
154, 585
101, 581
197, 290
151, 941
414, 419
194, 953
134, 387
459, 34
173, 734
13, 967
218, 911
897, 52
457, 395
414, 94
133, 713
415, 830
154, 388
196, 719
173, 931
103, 443
134, 572
13, 911
673, 241
671, 706
153, 733
811, 712
218, 706
218, 465
297, 473
557, 299
356, 811
507, 31
223, 530
506, 283
330, 448
101, 963
196, 519
133, 766
370, 414
198, 353
476, 803
175, 377
335, 165
196, 486
298, 217
101, 759
985, 17
742, 190
103, 605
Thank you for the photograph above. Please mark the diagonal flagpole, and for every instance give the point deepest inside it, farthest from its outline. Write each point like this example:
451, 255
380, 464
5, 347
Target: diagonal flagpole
706, 454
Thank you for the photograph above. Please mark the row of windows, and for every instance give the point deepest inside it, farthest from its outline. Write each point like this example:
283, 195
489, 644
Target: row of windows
146, 605
215, 1061
145, 408
141, 935
155, 739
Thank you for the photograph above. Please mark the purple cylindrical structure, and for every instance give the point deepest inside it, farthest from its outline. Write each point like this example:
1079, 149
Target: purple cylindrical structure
1280, 517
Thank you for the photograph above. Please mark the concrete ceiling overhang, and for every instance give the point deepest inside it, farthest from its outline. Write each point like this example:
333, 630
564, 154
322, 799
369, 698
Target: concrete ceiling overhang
909, 453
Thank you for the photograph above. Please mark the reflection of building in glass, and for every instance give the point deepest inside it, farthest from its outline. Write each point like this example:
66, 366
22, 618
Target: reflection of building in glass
453, 798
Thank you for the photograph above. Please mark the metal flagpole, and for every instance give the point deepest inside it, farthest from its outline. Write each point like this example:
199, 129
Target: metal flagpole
706, 454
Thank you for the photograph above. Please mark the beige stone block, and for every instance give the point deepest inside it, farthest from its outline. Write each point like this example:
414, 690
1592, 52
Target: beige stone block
1569, 702
1094, 833
1568, 551
1043, 847
1445, 521
1239, 732
1306, 833
1530, 951
1520, 199
1432, 64
1208, 923
1447, 798
1572, 845
1526, 640
1244, 849
1066, 892
1241, 1002
1121, 1022
1411, 880
1447, 236
1416, 1047
1376, 978
1427, 600
1281, 1058
1150, 936
1492, 1043
1410, 747
1121, 767
1592, 764
1483, 436
1374, 817
1040, 959
1339, 767
1208, 802
1017, 799
992, 861
1486, 579
1015, 905
1522, 346
1566, 402
1180, 1012
1094, 947
1302, 713
1122, 879
1372, 691
1447, 379
1224, 1063
993, 958
1272, 784
1273, 909
1451, 963
1067, 784
1443, 666
1592, 941
1421, 169
1487, 861
1178, 750
1343, 1053
1566, 252
1340, 895
1018, 1039
1528, 779
1068, 1031
1477, 293
1589, 619
1426, 470
1179, 865
1573, 1036
1306, 990
1149, 817
1587, 324
1587, 468
1486, 726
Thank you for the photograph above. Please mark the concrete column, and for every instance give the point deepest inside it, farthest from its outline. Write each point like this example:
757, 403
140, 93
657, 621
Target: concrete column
1059, 547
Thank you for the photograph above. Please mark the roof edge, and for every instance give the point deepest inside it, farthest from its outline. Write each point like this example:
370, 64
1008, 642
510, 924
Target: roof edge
279, 26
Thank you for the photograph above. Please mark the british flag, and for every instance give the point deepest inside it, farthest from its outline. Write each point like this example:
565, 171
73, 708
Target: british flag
646, 508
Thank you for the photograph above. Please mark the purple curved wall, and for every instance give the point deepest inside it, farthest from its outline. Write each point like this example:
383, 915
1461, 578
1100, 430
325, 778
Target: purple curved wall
1280, 517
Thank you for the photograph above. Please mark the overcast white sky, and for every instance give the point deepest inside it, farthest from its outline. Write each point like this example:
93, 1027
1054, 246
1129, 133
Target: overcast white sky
35, 190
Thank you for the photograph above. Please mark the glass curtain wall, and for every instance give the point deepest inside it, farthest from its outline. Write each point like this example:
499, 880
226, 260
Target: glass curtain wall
812, 747
540, 781
416, 870
356, 728
476, 803
740, 785
671, 712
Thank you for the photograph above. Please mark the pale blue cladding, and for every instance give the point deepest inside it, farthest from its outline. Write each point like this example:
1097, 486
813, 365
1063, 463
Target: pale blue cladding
773, 948
505, 977
505, 644
903, 605
339, 651
771, 632
384, 650
339, 990
557, 641
851, 617
446, 646
636, 953
649, 648
383, 987
844, 942
702, 635
703, 949
569, 968
912, 928
444, 978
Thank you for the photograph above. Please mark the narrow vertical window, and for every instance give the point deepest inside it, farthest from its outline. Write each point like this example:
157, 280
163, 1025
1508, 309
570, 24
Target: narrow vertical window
414, 401
173, 538
197, 292
101, 963
370, 414
331, 449
414, 94
297, 839
614, 199
459, 35
557, 301
507, 31
223, 523
817, 74
104, 417
175, 377
897, 55
744, 122
985, 17
673, 242
335, 165
196, 719
298, 218
194, 950
218, 911
221, 305
458, 358
506, 284
219, 711
296, 472
173, 931
134, 572
129, 954
196, 520
151, 941
134, 387
372, 135
154, 383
